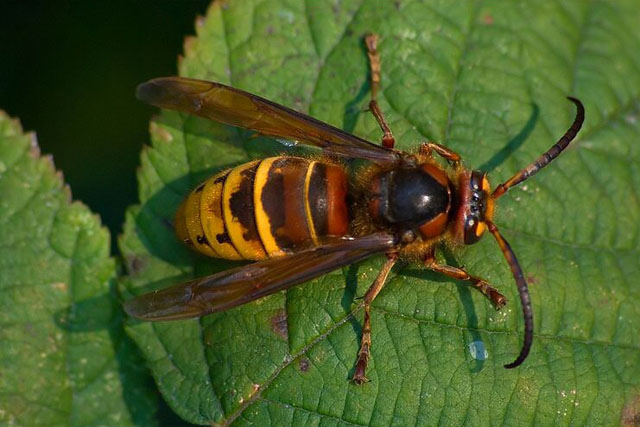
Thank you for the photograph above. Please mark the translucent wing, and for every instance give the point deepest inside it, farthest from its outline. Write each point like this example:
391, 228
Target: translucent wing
240, 285
238, 108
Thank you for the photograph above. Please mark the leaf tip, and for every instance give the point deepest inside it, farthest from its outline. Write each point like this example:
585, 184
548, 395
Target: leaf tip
189, 45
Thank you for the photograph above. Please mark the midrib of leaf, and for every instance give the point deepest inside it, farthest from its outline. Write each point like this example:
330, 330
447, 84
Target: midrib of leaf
340, 421
288, 362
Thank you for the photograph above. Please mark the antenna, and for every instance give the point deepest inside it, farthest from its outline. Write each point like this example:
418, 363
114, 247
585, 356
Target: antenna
548, 156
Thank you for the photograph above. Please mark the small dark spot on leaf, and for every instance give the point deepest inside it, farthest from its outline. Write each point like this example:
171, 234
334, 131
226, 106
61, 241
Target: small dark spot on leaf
28, 328
397, 4
631, 413
304, 364
269, 29
279, 324
135, 264
531, 279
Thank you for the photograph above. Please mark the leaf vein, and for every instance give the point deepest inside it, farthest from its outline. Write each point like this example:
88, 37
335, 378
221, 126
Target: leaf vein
309, 411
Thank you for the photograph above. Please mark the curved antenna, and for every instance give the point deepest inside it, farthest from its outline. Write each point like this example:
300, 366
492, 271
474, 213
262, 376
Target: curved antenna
523, 290
548, 156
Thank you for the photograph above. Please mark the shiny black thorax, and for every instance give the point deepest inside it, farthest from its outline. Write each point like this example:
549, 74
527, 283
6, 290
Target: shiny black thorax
408, 197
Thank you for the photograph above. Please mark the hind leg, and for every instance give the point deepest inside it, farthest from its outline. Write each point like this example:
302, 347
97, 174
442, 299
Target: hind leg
359, 376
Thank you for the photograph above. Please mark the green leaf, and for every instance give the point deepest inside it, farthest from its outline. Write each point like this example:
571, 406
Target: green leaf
64, 357
487, 79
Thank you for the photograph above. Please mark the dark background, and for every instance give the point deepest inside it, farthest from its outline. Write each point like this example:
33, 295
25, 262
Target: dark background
68, 70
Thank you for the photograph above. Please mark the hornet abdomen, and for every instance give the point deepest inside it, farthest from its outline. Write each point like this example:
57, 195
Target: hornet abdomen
264, 209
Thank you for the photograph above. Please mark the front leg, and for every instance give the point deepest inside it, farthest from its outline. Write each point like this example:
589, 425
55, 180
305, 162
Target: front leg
497, 299
426, 148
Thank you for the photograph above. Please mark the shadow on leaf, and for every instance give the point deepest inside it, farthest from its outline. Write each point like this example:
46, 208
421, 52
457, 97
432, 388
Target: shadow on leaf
498, 158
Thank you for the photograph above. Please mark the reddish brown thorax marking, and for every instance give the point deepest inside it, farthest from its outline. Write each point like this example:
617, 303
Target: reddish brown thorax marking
437, 173
436, 226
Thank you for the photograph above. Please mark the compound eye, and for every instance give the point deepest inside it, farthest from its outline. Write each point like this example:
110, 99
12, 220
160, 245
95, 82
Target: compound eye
471, 228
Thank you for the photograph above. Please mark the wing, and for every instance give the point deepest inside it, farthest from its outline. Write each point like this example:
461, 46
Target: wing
240, 285
234, 107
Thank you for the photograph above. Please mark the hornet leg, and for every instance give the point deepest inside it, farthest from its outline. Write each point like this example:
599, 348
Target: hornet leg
427, 148
359, 376
371, 41
497, 299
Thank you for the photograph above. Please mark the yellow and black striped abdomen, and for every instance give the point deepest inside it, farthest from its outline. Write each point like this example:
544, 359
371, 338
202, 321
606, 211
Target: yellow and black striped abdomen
266, 208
